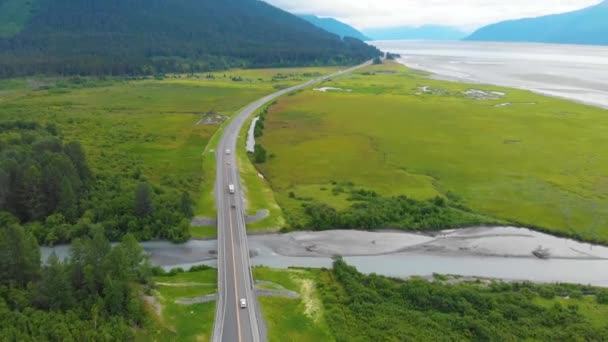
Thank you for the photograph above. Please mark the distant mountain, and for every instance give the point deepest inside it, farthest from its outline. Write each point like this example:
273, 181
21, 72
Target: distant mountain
155, 36
426, 32
334, 26
586, 26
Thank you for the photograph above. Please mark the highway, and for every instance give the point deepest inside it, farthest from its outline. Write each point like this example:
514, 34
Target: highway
235, 280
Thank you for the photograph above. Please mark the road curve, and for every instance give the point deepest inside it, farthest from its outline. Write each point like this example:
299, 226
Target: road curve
235, 280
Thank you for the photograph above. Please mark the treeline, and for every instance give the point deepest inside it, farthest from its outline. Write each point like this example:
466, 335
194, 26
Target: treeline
76, 37
39, 174
47, 185
392, 56
123, 205
259, 154
94, 295
371, 211
374, 308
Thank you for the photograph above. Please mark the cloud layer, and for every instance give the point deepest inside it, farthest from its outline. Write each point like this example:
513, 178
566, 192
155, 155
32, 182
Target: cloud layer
466, 14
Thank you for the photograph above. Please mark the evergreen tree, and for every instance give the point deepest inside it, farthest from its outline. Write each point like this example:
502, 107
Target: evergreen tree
143, 201
52, 178
186, 204
76, 154
88, 297
116, 296
67, 201
19, 256
135, 259
5, 189
54, 290
116, 264
30, 196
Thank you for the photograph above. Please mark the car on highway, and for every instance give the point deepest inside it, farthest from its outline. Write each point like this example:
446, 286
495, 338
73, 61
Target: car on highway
231, 188
243, 303
228, 151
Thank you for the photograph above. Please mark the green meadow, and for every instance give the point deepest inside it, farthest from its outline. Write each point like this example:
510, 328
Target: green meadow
257, 193
155, 127
179, 322
512, 155
293, 319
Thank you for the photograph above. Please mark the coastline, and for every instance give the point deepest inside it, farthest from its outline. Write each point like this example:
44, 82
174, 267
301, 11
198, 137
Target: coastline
437, 75
533, 67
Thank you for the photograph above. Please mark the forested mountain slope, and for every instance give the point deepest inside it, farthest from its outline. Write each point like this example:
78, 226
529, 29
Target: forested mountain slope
154, 36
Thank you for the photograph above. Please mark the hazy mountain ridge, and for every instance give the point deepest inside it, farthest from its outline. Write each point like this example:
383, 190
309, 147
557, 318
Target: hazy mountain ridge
152, 36
425, 32
334, 26
585, 26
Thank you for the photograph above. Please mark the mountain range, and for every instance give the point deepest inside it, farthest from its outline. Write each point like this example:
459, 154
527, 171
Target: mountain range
334, 26
155, 36
426, 32
586, 26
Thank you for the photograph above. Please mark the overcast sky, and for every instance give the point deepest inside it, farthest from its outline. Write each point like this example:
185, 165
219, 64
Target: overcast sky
466, 14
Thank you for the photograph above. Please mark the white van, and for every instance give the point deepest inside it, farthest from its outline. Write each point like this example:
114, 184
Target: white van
231, 188
243, 303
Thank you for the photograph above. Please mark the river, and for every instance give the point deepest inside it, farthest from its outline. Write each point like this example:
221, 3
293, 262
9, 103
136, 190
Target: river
578, 73
489, 252
574, 72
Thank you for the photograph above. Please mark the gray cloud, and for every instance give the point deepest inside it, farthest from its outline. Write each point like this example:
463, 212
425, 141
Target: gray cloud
467, 14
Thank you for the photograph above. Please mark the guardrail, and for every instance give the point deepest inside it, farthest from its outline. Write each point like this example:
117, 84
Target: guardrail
220, 310
254, 314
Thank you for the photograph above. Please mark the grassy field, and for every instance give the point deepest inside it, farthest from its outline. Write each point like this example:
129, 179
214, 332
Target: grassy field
293, 319
179, 322
128, 126
512, 155
203, 233
147, 126
258, 194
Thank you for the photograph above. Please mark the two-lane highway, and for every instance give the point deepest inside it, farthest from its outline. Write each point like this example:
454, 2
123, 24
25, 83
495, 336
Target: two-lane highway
235, 281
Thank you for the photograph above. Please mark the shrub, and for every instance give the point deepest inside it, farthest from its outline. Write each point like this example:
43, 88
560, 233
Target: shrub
602, 297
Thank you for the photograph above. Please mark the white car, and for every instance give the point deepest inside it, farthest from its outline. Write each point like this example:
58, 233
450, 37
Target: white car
243, 303
228, 151
231, 188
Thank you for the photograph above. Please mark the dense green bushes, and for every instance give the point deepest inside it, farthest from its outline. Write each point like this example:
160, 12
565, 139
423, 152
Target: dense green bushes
47, 185
259, 153
370, 210
258, 129
121, 204
375, 308
92, 295
39, 175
